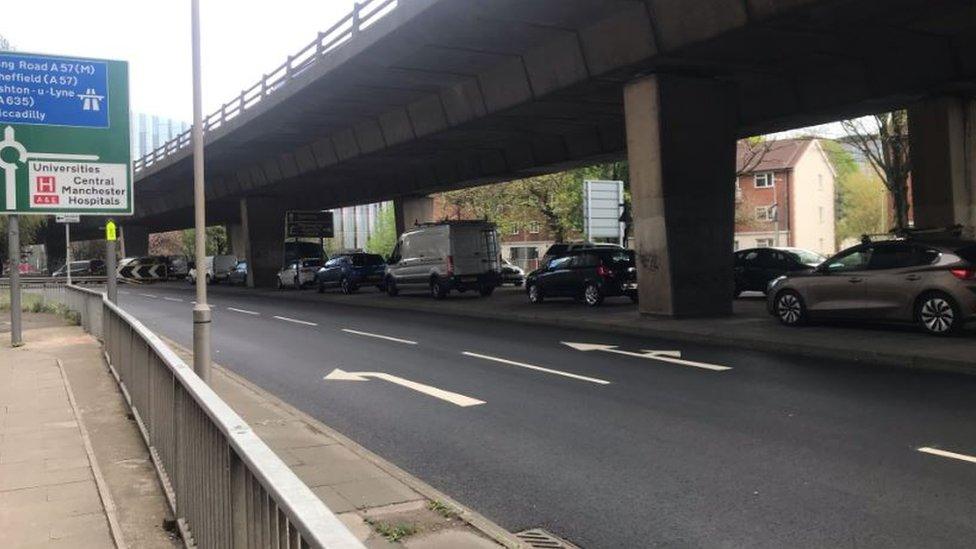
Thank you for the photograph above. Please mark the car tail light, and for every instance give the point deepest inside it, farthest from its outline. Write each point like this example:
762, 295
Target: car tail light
603, 271
964, 274
450, 265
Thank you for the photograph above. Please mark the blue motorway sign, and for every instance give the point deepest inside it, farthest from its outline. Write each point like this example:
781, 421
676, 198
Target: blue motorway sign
44, 90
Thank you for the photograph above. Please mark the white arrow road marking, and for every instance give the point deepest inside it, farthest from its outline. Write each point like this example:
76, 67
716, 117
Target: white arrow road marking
537, 368
378, 336
245, 311
453, 398
945, 454
663, 356
296, 321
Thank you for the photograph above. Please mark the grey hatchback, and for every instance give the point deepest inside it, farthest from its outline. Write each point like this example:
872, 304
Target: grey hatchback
931, 282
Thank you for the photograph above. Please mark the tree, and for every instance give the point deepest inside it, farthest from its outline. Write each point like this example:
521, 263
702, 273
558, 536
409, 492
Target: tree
557, 197
216, 241
168, 243
30, 228
384, 236
883, 140
864, 203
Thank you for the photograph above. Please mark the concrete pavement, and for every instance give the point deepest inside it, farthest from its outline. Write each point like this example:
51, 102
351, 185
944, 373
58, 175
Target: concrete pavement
70, 475
628, 445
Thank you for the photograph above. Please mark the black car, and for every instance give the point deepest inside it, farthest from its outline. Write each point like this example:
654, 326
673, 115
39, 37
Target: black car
588, 275
755, 268
238, 275
350, 271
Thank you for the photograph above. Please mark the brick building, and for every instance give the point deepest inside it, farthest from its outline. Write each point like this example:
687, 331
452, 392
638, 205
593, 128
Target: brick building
787, 198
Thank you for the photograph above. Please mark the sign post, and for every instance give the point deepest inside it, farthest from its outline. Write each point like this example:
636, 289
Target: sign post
603, 203
67, 219
64, 137
111, 284
13, 234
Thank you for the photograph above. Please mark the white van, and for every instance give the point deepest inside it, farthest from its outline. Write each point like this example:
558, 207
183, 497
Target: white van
218, 268
453, 255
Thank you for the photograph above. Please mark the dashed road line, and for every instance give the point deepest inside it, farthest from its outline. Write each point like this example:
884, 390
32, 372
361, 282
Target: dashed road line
537, 368
151, 296
176, 299
947, 454
379, 336
296, 321
245, 311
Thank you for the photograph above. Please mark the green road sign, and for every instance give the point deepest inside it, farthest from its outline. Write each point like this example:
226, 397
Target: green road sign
64, 135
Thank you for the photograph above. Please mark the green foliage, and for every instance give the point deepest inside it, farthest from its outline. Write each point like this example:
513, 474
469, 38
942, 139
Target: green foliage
216, 241
384, 237
556, 200
864, 201
30, 230
392, 532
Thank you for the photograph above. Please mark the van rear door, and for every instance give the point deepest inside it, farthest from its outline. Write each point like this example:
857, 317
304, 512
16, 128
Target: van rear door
474, 248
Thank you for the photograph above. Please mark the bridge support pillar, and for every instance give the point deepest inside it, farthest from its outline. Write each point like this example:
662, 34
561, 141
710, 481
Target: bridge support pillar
943, 151
135, 240
265, 247
411, 210
236, 239
681, 149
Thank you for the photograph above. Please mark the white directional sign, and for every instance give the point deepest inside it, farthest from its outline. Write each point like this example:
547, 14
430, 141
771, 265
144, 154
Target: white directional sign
673, 357
67, 218
603, 203
448, 396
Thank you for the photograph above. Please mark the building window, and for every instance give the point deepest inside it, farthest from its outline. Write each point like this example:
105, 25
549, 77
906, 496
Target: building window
515, 230
765, 213
535, 227
764, 242
821, 215
763, 180
819, 181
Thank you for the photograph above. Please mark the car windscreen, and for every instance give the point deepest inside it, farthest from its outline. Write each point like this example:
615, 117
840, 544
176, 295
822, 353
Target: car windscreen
312, 263
807, 257
366, 260
557, 249
968, 253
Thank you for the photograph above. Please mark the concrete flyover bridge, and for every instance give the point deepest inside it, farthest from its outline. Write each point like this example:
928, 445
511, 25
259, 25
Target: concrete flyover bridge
405, 98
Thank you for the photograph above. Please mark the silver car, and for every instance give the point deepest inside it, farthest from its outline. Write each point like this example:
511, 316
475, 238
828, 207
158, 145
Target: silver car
930, 282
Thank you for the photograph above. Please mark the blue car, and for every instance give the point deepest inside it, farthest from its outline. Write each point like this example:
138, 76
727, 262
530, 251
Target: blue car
349, 272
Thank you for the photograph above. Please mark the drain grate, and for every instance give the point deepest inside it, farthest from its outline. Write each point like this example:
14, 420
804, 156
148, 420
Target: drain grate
537, 538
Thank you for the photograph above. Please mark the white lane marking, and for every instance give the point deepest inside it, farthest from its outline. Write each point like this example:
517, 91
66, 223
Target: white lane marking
663, 356
448, 396
945, 454
149, 296
537, 368
296, 321
378, 336
124, 292
176, 299
245, 311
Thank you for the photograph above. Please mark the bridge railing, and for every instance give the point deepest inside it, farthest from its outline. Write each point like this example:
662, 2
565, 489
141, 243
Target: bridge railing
363, 15
224, 485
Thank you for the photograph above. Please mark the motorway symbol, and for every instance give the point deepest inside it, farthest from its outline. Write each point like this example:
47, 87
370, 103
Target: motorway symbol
453, 398
673, 357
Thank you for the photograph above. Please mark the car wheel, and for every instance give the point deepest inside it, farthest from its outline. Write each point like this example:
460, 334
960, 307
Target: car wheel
486, 290
391, 287
789, 309
592, 295
298, 285
437, 290
209, 280
321, 287
346, 286
535, 293
633, 297
278, 283
938, 314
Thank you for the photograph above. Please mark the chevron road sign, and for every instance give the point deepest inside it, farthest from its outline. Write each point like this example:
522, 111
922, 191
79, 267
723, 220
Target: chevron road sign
156, 271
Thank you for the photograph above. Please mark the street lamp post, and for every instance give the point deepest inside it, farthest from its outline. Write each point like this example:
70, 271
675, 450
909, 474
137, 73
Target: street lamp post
201, 311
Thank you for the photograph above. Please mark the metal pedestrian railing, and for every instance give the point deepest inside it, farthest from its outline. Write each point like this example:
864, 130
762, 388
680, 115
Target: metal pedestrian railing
223, 483
363, 15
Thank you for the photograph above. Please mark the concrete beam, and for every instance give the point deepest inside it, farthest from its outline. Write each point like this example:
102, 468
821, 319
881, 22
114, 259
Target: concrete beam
943, 150
681, 149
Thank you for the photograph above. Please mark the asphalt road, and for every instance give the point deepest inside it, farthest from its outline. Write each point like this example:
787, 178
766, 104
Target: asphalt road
774, 452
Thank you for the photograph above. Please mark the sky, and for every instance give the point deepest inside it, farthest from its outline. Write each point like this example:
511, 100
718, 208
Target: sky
240, 40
